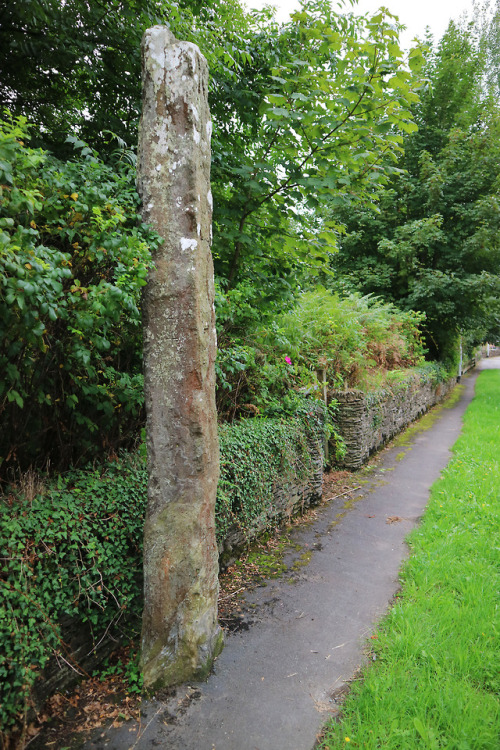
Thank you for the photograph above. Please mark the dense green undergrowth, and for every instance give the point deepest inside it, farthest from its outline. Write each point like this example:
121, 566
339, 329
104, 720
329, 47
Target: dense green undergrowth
75, 548
74, 257
358, 342
436, 678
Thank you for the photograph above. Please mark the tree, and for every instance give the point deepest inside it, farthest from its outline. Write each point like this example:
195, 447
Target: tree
305, 112
434, 244
84, 75
487, 25
317, 116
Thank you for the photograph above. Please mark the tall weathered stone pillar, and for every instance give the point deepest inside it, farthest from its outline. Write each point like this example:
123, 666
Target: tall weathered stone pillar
181, 636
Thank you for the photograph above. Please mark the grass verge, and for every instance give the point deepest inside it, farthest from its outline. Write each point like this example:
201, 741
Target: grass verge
436, 676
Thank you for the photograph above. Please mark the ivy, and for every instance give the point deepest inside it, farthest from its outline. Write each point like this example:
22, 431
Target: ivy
75, 549
256, 454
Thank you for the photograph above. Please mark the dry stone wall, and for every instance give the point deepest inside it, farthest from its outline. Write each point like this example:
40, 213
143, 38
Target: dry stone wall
366, 421
289, 498
366, 424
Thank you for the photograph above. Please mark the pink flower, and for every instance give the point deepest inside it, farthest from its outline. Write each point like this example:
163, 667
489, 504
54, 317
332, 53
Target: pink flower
288, 360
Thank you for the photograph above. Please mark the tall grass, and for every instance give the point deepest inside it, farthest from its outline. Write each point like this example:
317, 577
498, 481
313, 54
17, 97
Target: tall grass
436, 677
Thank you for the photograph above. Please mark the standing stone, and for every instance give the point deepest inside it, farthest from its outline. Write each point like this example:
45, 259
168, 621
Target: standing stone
180, 635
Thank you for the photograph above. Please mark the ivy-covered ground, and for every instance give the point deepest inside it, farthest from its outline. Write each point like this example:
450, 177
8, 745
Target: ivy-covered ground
111, 696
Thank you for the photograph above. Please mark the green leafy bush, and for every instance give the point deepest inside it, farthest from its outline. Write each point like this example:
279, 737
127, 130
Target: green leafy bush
73, 259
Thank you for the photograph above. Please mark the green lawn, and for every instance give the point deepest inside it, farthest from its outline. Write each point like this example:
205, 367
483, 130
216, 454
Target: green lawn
436, 678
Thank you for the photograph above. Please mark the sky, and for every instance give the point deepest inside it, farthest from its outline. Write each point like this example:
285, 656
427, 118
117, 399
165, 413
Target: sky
415, 14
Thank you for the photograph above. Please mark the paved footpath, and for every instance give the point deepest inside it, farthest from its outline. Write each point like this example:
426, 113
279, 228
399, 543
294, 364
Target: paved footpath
275, 684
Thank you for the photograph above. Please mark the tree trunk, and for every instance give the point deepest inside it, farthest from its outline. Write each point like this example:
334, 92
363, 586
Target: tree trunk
181, 636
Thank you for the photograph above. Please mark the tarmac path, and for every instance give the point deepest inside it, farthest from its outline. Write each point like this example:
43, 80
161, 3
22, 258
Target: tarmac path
276, 683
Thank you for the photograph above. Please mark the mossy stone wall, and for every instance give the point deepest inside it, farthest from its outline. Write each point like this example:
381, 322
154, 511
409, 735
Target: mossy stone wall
367, 421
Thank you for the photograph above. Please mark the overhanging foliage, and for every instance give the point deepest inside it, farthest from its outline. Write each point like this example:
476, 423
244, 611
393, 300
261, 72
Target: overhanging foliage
73, 259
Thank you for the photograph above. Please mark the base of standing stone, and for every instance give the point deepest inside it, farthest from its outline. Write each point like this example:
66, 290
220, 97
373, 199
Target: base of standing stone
161, 671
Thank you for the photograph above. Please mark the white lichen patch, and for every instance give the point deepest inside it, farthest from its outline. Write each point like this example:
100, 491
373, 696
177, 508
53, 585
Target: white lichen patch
196, 136
173, 60
162, 132
188, 244
210, 199
166, 653
209, 129
157, 39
